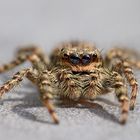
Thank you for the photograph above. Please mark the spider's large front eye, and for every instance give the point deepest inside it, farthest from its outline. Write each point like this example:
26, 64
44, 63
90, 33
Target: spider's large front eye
86, 59
74, 59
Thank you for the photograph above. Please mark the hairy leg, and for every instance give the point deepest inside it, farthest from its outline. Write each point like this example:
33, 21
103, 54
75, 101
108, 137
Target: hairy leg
133, 83
132, 57
122, 60
124, 67
22, 55
41, 83
17, 78
122, 95
46, 95
33, 50
19, 60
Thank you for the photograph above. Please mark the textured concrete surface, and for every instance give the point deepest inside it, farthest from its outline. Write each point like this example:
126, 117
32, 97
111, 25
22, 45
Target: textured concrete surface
46, 22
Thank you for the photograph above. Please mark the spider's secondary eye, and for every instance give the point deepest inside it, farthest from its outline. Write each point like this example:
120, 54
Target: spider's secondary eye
86, 59
66, 55
74, 59
94, 56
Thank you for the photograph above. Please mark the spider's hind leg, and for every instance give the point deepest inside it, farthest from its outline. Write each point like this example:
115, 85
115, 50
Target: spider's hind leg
33, 50
19, 60
122, 59
133, 83
123, 67
22, 55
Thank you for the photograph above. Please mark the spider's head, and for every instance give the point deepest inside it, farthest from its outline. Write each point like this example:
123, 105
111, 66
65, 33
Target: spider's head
79, 56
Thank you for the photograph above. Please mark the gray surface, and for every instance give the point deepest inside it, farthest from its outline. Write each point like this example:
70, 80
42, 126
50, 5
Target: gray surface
47, 22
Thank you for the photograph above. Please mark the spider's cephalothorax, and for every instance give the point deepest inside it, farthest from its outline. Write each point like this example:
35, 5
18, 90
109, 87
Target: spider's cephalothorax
77, 72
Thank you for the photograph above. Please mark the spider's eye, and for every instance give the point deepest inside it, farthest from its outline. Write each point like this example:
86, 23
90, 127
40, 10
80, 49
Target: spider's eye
62, 49
66, 56
94, 56
86, 59
74, 59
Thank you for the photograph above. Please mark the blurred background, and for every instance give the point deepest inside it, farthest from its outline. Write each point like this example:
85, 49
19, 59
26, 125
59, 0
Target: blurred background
46, 23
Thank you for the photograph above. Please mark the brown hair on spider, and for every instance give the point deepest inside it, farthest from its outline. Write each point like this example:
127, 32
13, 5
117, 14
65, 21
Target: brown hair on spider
80, 57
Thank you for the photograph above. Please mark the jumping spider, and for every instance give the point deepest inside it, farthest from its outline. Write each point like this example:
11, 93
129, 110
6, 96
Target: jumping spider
77, 72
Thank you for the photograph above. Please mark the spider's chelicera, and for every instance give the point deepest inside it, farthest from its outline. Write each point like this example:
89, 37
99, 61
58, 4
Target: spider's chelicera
76, 71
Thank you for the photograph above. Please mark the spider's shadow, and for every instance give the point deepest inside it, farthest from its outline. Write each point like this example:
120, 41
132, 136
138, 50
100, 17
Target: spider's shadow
21, 109
32, 100
96, 108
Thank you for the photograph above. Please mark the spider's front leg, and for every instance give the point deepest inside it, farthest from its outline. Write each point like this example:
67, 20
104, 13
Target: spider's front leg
122, 95
46, 91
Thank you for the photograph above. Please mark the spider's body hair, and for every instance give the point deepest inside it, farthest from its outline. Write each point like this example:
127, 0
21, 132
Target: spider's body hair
76, 71
79, 81
79, 48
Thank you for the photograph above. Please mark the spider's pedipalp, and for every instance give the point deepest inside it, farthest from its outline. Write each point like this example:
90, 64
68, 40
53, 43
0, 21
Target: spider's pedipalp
69, 85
